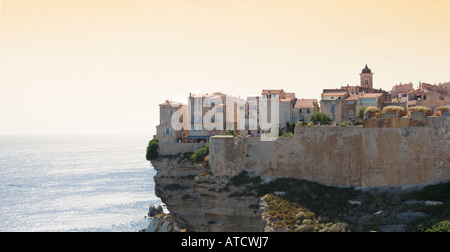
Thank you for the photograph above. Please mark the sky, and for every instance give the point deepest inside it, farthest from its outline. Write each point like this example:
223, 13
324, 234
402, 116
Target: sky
103, 66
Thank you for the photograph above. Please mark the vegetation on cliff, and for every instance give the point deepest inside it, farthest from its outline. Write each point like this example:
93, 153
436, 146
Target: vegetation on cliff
200, 155
300, 205
361, 111
320, 117
394, 109
152, 150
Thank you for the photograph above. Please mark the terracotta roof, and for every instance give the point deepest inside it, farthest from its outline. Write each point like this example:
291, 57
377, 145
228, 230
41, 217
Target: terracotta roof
169, 103
286, 99
335, 93
352, 97
272, 91
371, 95
290, 95
305, 103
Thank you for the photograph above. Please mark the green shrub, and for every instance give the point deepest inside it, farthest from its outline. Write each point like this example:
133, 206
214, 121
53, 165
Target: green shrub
243, 178
200, 154
438, 192
425, 110
290, 127
394, 109
441, 226
418, 109
443, 109
152, 149
231, 132
371, 109
282, 212
287, 134
321, 117
361, 111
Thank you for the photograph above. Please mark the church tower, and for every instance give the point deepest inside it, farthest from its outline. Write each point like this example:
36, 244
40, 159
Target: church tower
366, 78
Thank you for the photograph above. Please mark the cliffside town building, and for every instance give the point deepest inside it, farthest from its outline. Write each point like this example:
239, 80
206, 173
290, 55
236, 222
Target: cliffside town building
343, 104
207, 115
165, 131
427, 95
245, 116
303, 109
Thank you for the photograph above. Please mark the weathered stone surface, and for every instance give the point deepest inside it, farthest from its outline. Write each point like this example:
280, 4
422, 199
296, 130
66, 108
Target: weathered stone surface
163, 223
154, 210
343, 156
202, 202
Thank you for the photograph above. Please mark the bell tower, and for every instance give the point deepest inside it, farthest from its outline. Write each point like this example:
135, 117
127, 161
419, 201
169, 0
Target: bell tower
366, 78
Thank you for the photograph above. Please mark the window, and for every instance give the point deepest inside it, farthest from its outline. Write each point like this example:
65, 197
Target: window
171, 112
308, 111
167, 131
441, 98
366, 81
334, 117
424, 97
351, 102
350, 112
333, 109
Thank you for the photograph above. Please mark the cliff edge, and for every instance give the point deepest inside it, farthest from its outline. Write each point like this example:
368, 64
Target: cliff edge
198, 201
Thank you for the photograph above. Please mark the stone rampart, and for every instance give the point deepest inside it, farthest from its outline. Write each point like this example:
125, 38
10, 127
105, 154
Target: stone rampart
169, 149
385, 152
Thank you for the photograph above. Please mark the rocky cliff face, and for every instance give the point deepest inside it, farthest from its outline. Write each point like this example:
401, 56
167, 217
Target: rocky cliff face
201, 202
198, 201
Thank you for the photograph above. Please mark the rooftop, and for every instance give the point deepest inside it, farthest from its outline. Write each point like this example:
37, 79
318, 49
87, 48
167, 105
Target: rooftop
366, 70
169, 103
335, 93
305, 103
370, 95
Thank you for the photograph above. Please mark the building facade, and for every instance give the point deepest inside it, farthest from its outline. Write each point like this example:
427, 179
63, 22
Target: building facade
165, 131
304, 109
343, 104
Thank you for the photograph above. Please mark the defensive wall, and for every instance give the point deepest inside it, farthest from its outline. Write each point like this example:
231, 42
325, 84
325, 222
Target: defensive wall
388, 151
171, 149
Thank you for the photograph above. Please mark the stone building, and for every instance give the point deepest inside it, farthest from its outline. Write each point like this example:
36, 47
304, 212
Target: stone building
332, 103
165, 131
201, 112
427, 95
286, 104
303, 109
343, 104
366, 78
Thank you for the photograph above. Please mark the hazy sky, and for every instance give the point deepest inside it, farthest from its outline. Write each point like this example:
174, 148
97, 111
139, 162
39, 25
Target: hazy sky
103, 66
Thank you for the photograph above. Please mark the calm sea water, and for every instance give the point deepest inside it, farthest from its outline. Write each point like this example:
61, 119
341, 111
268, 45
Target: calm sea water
75, 183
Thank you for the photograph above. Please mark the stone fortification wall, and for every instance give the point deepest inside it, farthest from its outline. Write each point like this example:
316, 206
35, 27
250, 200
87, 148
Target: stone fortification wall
168, 149
382, 153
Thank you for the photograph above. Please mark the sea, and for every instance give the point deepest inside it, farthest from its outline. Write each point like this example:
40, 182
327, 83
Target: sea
75, 183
